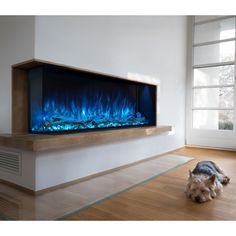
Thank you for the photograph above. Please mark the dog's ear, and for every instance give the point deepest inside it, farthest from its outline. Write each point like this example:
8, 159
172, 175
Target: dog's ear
211, 179
190, 174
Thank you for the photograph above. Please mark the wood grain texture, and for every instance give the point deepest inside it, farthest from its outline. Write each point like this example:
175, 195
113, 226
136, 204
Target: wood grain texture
163, 198
19, 101
36, 142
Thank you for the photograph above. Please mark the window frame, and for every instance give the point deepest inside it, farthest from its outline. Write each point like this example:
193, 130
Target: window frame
208, 65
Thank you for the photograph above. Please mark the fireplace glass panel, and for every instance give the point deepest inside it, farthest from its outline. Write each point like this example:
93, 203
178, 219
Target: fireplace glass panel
67, 100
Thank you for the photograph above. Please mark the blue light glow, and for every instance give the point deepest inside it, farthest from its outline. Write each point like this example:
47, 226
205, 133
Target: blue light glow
79, 112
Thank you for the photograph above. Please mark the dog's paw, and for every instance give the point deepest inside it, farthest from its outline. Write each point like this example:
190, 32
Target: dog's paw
226, 180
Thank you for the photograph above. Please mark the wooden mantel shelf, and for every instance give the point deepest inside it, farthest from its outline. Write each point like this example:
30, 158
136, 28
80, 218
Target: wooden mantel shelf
42, 142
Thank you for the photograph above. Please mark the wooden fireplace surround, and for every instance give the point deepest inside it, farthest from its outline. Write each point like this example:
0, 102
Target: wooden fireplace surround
20, 138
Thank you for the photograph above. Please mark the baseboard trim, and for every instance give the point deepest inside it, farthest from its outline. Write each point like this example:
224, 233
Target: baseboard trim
210, 148
76, 181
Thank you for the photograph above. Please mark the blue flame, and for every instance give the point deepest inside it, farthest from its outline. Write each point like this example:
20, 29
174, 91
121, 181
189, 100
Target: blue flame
79, 112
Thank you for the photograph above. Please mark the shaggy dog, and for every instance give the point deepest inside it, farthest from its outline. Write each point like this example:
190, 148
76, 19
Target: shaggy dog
205, 182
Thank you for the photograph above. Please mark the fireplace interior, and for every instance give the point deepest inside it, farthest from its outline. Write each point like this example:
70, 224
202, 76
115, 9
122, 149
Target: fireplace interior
63, 100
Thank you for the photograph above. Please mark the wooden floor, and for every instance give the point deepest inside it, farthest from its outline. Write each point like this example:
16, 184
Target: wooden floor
163, 198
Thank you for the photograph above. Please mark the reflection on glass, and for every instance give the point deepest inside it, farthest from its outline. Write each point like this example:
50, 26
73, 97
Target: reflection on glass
214, 53
9, 208
213, 119
220, 75
217, 30
214, 97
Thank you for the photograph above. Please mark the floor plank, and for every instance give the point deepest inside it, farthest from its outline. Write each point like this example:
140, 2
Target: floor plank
163, 198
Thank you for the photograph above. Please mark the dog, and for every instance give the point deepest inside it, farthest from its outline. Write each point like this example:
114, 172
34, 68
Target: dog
205, 182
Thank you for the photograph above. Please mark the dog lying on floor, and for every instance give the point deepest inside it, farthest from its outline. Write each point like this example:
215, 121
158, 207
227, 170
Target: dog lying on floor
205, 182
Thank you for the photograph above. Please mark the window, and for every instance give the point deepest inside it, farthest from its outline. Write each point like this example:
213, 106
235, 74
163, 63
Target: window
213, 90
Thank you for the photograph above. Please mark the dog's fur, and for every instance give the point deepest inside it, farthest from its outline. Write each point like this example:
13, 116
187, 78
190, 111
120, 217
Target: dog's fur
205, 182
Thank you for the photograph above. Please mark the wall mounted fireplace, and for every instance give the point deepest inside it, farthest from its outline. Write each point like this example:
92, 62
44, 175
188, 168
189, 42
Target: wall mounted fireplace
65, 100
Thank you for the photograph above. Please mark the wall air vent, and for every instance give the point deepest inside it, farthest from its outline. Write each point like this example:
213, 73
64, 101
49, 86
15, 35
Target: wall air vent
10, 162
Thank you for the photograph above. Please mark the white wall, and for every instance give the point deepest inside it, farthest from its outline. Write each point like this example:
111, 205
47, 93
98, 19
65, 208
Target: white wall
148, 45
16, 45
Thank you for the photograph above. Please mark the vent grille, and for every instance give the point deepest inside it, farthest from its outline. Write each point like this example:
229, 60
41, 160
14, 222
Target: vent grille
10, 162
